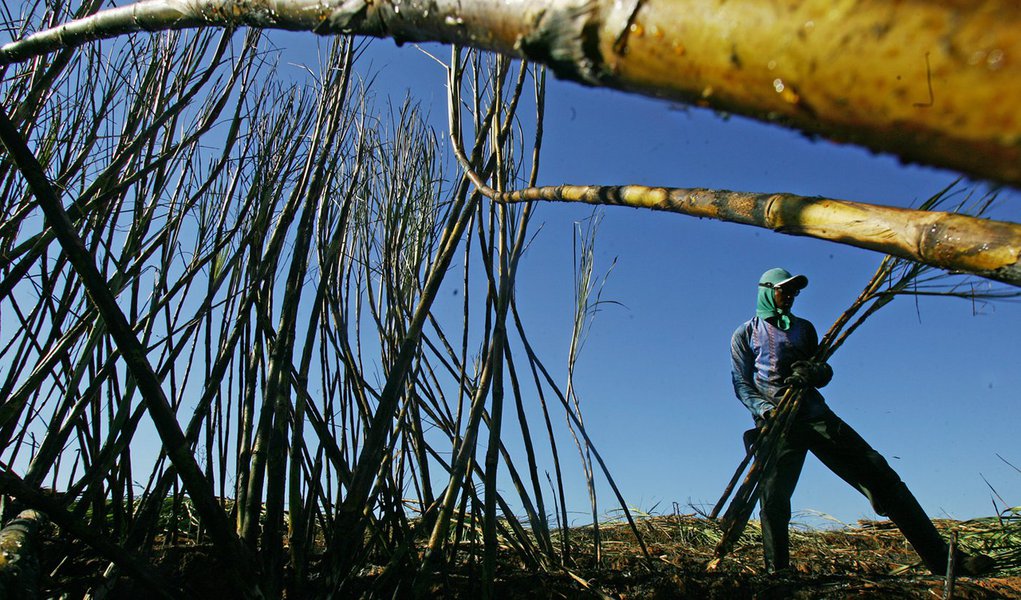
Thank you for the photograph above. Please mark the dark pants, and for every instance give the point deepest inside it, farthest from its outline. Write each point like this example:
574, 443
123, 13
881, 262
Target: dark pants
845, 453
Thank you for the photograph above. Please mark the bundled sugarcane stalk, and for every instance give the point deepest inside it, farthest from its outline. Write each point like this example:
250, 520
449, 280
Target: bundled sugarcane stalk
893, 277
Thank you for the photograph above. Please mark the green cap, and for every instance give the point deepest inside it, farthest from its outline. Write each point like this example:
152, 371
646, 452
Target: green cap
778, 277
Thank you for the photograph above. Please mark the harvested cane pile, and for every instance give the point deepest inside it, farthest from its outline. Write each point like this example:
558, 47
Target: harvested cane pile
871, 559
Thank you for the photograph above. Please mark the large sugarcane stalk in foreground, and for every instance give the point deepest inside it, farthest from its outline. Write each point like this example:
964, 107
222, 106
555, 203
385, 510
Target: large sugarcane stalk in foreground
932, 81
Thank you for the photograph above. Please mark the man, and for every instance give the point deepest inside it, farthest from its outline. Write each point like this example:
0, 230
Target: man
776, 349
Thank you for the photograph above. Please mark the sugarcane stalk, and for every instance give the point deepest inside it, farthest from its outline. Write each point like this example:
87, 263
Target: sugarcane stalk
19, 556
55, 512
933, 82
134, 355
946, 240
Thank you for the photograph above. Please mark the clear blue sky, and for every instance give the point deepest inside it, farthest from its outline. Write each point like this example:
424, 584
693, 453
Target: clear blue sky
933, 385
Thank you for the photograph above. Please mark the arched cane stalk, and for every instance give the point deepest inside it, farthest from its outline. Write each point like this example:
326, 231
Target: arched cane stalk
945, 240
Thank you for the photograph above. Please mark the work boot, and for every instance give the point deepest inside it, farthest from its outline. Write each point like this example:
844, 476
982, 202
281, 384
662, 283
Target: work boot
974, 565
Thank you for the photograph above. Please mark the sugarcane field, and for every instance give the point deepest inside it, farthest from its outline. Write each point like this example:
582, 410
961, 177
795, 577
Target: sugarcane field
617, 299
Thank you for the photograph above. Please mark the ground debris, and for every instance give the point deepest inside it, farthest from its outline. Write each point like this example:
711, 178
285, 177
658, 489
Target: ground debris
868, 560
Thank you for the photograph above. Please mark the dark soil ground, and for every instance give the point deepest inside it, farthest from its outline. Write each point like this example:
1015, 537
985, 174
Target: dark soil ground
870, 560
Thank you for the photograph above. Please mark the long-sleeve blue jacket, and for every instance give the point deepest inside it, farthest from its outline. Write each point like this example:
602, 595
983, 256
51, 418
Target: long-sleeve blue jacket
762, 356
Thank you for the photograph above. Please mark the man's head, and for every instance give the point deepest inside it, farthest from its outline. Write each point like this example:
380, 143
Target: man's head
781, 287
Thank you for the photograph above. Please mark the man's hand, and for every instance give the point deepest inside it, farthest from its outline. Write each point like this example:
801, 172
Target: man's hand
809, 373
798, 379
